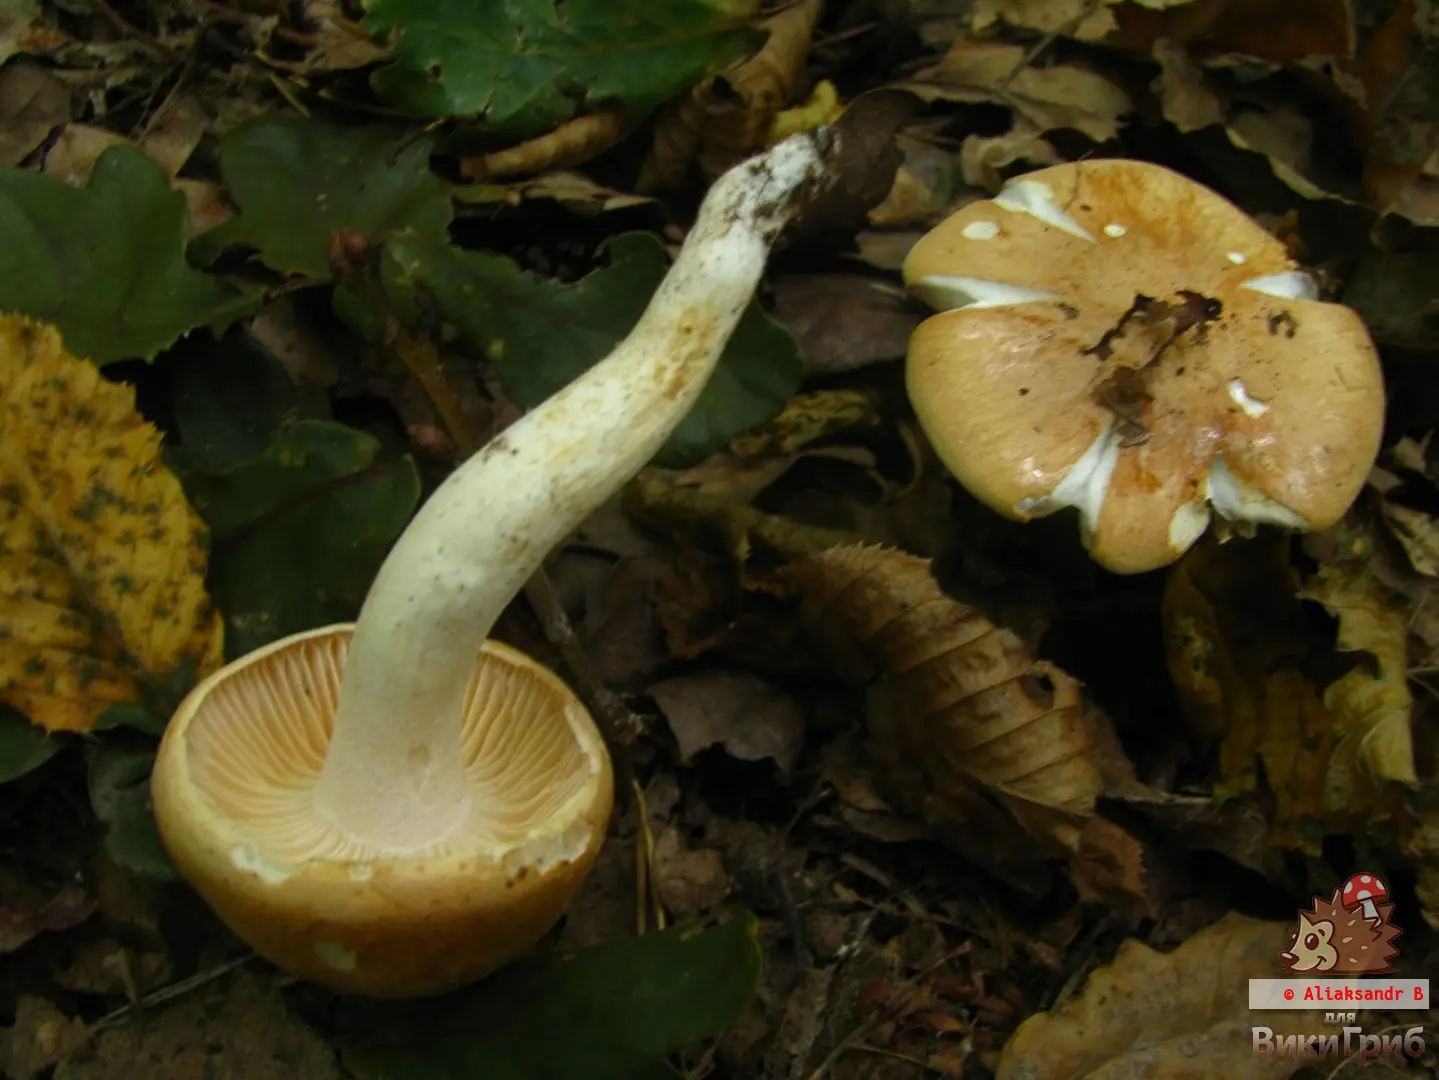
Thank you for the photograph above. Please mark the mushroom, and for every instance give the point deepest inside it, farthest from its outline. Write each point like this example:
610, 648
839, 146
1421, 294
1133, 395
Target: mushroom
1117, 338
1366, 891
398, 806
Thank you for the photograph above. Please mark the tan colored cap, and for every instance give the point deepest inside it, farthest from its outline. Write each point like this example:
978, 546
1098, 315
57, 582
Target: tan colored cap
1115, 337
233, 797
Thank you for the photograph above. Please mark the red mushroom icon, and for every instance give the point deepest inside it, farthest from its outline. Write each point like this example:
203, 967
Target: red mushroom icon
1365, 890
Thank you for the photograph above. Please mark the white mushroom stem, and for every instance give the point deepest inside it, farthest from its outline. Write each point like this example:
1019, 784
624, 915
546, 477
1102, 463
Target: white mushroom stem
394, 776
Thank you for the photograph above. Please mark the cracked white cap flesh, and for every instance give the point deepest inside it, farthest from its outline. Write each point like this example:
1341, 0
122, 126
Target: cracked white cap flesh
1268, 409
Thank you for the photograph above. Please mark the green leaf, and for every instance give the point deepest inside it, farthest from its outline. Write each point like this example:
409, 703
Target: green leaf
24, 746
542, 334
127, 714
229, 401
299, 180
106, 263
300, 529
610, 1013
120, 795
523, 67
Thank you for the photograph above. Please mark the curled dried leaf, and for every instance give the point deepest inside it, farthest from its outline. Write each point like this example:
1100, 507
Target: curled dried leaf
728, 115
1179, 1014
570, 144
970, 710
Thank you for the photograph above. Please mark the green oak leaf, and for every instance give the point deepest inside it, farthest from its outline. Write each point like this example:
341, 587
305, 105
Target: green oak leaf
542, 334
522, 67
300, 529
298, 180
106, 262
608, 1013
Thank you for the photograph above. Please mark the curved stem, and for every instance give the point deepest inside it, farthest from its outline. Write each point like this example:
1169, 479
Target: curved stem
394, 774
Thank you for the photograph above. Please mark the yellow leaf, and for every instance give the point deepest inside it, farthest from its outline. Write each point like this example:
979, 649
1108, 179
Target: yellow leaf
1244, 657
1236, 640
1176, 1015
102, 561
1372, 705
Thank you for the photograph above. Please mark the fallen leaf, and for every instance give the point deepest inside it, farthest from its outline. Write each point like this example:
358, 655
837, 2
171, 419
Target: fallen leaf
985, 160
108, 559
1417, 533
689, 881
300, 528
24, 746
574, 191
341, 44
1181, 1015
844, 321
23, 29
969, 714
541, 334
27, 910
1244, 657
524, 68
1085, 20
240, 1020
1185, 96
106, 262
1061, 96
620, 1009
1372, 706
33, 103
41, 1038
297, 181
751, 719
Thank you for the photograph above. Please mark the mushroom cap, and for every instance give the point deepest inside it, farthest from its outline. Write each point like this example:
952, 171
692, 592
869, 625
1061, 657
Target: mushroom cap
1116, 337
1363, 887
233, 797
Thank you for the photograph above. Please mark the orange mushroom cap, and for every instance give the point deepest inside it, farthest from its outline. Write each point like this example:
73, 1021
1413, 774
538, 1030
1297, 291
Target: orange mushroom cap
233, 791
1115, 337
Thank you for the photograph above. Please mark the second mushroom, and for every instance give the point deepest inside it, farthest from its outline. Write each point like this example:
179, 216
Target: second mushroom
1117, 338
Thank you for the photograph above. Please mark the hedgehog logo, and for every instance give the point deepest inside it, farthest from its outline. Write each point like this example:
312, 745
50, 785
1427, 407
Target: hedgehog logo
1348, 934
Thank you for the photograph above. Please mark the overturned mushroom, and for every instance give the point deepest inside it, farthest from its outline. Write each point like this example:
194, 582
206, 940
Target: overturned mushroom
399, 806
1117, 338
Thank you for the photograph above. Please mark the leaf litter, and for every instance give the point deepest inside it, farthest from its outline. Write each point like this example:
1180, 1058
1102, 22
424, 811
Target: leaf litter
915, 790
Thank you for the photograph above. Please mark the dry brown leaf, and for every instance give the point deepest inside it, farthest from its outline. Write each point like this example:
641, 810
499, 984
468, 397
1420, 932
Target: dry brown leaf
33, 103
751, 719
1085, 20
341, 43
726, 116
74, 153
1241, 651
572, 143
985, 160
970, 715
844, 321
1180, 1015
1185, 96
1417, 533
1372, 707
1050, 98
